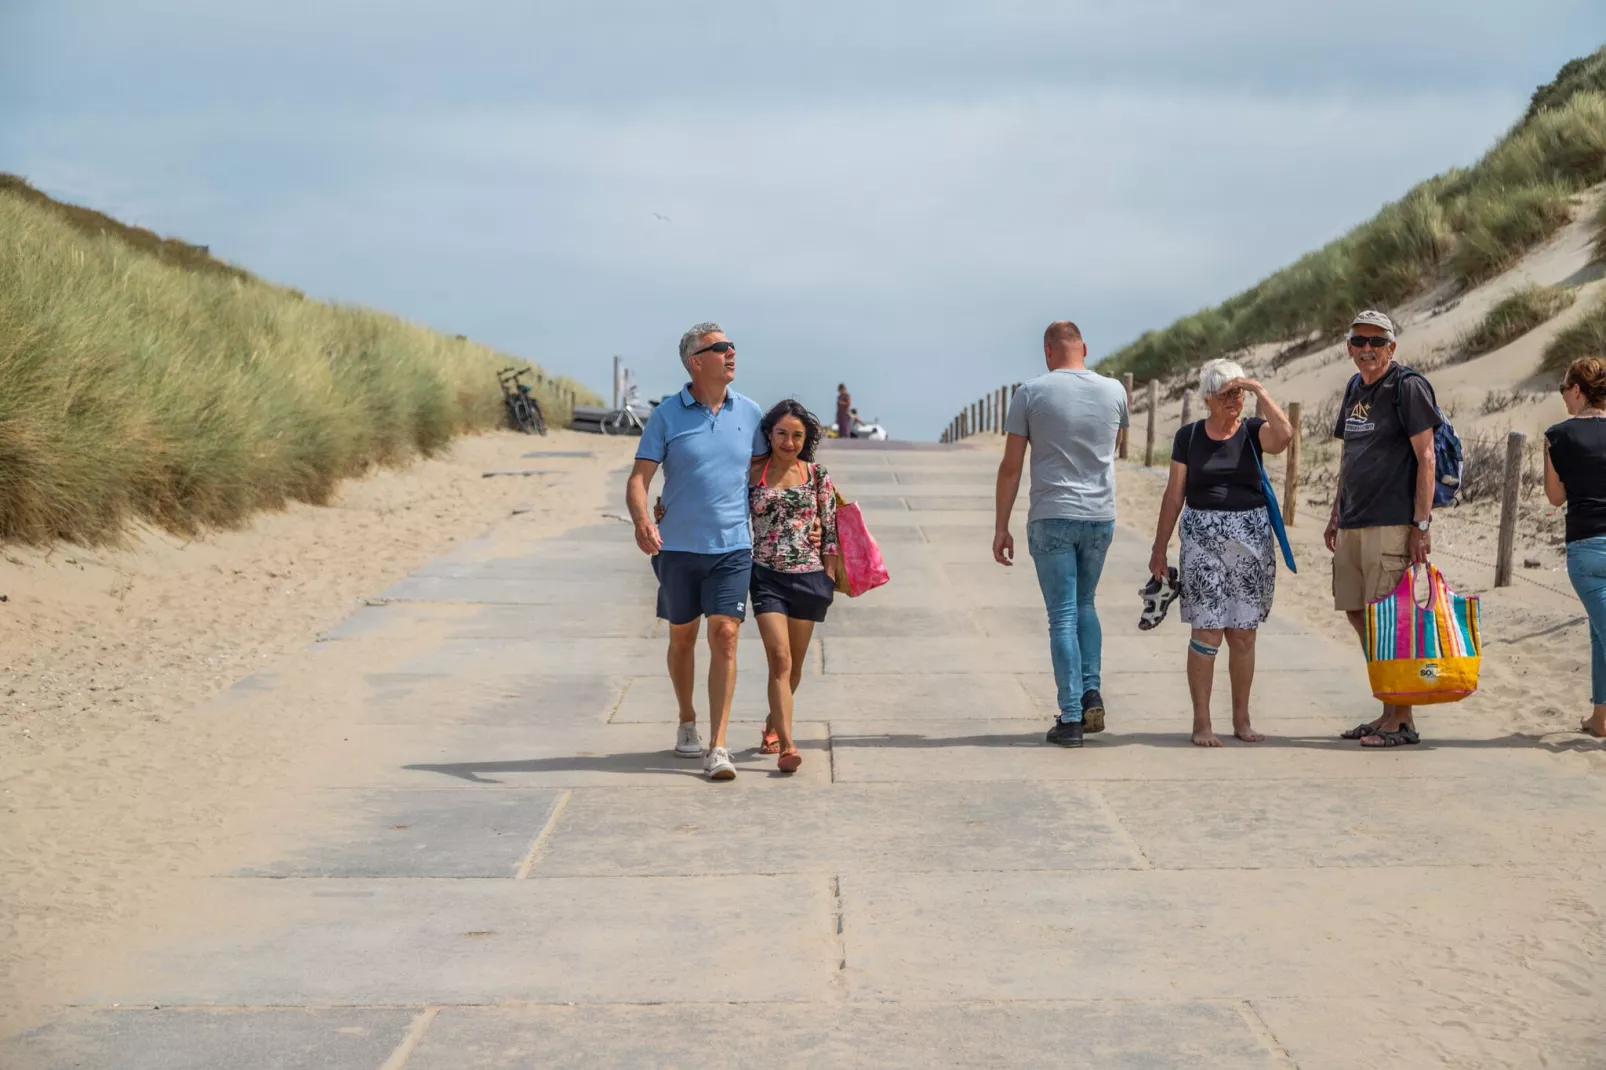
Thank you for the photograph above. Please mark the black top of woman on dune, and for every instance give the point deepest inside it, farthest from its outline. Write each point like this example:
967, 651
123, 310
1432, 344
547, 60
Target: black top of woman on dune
1578, 454
1221, 475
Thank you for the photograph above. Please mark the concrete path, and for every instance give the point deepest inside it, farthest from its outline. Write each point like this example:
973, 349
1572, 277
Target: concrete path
514, 871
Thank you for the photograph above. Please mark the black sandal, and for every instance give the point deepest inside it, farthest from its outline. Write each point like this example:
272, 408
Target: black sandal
1400, 737
1360, 731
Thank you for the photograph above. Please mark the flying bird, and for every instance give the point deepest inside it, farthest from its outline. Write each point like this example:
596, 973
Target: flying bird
660, 215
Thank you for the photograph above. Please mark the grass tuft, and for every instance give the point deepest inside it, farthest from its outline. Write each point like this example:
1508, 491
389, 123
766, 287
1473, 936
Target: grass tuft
1501, 225
1514, 317
1585, 337
141, 382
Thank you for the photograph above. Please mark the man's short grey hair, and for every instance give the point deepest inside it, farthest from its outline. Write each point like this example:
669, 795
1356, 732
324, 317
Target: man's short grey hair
1217, 374
689, 340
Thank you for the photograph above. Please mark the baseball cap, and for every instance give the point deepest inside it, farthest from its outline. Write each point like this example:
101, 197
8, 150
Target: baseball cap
1373, 318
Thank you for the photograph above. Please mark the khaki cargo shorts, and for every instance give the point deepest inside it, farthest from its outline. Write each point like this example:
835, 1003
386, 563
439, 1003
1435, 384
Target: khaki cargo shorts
1368, 564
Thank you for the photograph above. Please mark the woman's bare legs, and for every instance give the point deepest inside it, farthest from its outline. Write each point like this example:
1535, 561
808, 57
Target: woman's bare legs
772, 629
1201, 681
1241, 668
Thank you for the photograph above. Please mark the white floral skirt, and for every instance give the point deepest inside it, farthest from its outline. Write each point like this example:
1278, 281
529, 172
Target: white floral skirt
1229, 568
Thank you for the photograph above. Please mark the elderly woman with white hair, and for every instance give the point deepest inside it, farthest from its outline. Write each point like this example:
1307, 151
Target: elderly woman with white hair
1228, 569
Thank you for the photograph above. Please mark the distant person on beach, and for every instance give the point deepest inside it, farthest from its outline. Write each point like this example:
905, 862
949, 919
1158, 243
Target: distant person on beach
844, 410
705, 439
1228, 554
793, 506
1070, 417
1380, 518
1575, 474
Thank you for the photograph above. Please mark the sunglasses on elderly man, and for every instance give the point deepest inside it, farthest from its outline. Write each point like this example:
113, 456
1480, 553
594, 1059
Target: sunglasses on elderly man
1361, 341
717, 347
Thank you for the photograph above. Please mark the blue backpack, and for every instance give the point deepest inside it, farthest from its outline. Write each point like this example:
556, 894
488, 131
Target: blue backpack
1448, 461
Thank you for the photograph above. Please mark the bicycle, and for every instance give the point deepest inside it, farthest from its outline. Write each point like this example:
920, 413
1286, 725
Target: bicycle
623, 420
523, 408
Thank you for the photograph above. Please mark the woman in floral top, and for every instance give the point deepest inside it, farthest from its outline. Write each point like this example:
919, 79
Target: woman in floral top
793, 582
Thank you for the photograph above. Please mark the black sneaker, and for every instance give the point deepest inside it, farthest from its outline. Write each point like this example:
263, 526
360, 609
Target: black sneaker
1092, 710
1066, 733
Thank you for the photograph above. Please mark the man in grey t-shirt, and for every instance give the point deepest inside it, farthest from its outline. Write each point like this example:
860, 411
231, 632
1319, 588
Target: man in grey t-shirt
1071, 418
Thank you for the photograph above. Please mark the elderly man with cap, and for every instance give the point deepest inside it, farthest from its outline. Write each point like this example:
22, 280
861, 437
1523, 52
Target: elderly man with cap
1380, 521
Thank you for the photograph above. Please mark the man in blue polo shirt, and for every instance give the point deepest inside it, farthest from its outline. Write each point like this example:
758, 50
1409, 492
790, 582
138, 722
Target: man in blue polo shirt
705, 439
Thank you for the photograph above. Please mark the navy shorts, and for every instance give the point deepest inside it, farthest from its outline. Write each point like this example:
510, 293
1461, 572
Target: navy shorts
702, 585
800, 595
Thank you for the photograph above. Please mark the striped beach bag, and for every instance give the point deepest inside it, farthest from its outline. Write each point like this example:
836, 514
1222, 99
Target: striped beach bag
1421, 654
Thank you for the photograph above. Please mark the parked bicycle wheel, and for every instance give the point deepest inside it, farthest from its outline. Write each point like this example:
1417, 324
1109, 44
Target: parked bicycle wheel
537, 417
519, 414
620, 422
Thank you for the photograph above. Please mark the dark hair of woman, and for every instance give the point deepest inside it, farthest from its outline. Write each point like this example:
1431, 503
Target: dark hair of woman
811, 425
1589, 375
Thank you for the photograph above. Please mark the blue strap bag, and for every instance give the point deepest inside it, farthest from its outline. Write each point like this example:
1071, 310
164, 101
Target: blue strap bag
1273, 510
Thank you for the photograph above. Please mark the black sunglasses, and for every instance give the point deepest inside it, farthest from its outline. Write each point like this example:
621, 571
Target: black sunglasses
1361, 341
717, 347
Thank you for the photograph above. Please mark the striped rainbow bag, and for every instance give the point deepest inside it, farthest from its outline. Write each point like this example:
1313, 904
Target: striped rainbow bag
1421, 654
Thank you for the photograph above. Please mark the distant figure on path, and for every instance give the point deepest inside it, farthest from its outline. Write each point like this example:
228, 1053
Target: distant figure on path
1071, 417
705, 440
1379, 524
1229, 565
794, 572
1575, 474
844, 410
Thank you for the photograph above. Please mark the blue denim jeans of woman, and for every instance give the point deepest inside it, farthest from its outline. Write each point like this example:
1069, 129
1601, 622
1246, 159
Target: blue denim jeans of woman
1069, 555
1586, 567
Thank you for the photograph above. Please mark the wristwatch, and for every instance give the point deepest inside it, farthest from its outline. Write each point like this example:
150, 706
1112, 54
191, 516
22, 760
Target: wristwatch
1422, 525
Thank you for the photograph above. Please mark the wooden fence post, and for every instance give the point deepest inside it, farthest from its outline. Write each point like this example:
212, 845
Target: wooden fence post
1154, 405
1291, 480
1120, 444
1515, 442
1003, 408
1187, 405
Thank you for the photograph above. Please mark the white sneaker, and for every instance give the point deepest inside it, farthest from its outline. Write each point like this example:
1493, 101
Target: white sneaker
719, 765
688, 744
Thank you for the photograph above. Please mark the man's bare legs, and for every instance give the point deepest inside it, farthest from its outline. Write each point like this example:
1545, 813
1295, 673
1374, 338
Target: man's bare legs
722, 632
1241, 669
1393, 717
683, 667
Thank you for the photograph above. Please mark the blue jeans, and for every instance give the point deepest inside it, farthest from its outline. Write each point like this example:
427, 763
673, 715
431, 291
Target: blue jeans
1069, 555
1586, 567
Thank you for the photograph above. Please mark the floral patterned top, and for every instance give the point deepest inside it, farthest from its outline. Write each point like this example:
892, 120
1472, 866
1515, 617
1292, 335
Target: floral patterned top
782, 519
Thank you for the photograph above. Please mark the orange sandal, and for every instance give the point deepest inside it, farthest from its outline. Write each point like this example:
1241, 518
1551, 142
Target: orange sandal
769, 742
789, 761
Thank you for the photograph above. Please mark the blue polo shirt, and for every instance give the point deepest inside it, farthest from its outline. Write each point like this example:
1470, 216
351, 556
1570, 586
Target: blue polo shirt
705, 457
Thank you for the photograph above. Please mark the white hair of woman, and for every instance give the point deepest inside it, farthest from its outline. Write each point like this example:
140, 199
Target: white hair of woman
1216, 374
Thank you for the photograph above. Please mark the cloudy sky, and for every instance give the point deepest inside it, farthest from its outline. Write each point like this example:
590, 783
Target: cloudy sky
899, 195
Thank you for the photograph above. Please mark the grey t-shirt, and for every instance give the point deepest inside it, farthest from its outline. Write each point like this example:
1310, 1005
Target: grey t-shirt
1071, 419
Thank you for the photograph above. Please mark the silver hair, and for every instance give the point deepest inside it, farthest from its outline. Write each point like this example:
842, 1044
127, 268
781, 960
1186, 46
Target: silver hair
1217, 374
689, 340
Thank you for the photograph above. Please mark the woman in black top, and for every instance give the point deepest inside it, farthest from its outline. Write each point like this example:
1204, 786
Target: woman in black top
1228, 570
1575, 473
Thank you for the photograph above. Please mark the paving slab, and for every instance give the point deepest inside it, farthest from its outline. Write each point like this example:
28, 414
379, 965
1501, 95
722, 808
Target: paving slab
590, 940
836, 829
1248, 824
1103, 1035
507, 700
460, 756
555, 657
200, 1039
1208, 934
884, 696
484, 833
458, 620
952, 751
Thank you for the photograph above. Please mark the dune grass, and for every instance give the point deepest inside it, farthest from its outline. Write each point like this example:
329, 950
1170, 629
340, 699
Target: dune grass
1514, 317
1467, 225
137, 384
1585, 337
